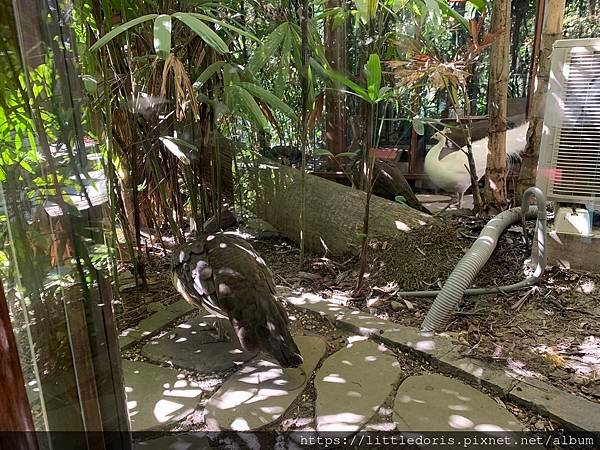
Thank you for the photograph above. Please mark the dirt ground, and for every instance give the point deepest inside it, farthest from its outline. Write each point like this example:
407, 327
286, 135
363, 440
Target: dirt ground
550, 331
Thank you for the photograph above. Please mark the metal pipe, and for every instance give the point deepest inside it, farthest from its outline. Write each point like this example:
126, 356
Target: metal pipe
457, 285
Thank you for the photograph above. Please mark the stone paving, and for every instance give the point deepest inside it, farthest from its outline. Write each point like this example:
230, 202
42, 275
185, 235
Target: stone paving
157, 396
261, 391
433, 402
351, 385
195, 345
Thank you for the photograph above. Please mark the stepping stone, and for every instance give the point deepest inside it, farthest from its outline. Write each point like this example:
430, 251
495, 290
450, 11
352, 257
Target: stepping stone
153, 324
183, 441
195, 345
352, 384
261, 391
437, 403
156, 395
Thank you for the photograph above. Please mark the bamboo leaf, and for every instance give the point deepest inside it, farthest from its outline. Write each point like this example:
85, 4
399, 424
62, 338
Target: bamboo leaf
478, 4
203, 31
366, 10
208, 72
448, 10
418, 125
120, 29
322, 152
247, 105
238, 30
345, 155
269, 98
176, 147
373, 72
162, 35
341, 79
266, 50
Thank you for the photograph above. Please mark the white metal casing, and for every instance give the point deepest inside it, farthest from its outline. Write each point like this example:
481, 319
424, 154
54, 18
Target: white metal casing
569, 164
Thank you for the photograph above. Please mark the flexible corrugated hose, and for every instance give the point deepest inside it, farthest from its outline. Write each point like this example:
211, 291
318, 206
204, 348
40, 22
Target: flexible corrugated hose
469, 266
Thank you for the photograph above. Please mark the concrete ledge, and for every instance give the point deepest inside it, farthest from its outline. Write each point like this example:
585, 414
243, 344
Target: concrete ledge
575, 413
571, 411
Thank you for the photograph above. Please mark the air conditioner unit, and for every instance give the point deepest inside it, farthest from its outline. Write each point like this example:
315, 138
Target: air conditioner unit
569, 164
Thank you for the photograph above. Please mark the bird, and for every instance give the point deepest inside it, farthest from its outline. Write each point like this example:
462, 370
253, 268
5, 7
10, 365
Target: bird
450, 172
224, 274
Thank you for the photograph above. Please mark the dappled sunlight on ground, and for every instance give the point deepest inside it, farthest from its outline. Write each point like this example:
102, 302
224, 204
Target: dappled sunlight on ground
261, 391
156, 395
426, 402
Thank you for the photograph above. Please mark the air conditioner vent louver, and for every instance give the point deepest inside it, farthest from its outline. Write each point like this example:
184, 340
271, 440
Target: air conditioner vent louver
570, 149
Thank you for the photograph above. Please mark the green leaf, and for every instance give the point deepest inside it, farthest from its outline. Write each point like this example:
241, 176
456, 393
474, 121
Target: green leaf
322, 152
373, 72
176, 146
269, 98
238, 30
366, 10
89, 83
247, 105
208, 72
448, 10
162, 35
345, 155
266, 50
203, 31
418, 125
120, 29
341, 79
385, 92
478, 4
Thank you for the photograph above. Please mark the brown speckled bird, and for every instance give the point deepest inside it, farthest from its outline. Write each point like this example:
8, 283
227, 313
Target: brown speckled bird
222, 273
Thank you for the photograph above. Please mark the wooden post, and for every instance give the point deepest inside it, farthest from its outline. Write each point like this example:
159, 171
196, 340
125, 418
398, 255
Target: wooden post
552, 30
15, 415
495, 183
335, 106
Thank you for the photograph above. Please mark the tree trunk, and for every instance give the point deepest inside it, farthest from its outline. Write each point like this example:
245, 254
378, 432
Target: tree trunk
334, 221
495, 184
535, 53
552, 30
335, 52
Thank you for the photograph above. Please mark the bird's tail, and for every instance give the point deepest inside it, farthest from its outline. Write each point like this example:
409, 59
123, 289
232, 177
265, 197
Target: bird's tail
516, 140
280, 343
270, 334
285, 350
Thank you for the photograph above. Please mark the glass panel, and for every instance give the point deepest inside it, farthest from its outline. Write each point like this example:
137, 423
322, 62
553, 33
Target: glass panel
55, 255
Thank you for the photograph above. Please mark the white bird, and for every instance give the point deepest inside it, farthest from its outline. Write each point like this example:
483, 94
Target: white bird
450, 172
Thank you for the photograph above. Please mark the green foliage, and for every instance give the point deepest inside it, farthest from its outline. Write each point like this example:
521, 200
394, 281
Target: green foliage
162, 35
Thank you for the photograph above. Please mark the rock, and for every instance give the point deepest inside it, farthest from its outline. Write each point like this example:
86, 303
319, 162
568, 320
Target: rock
260, 229
540, 425
156, 395
352, 384
195, 345
261, 391
434, 402
396, 306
